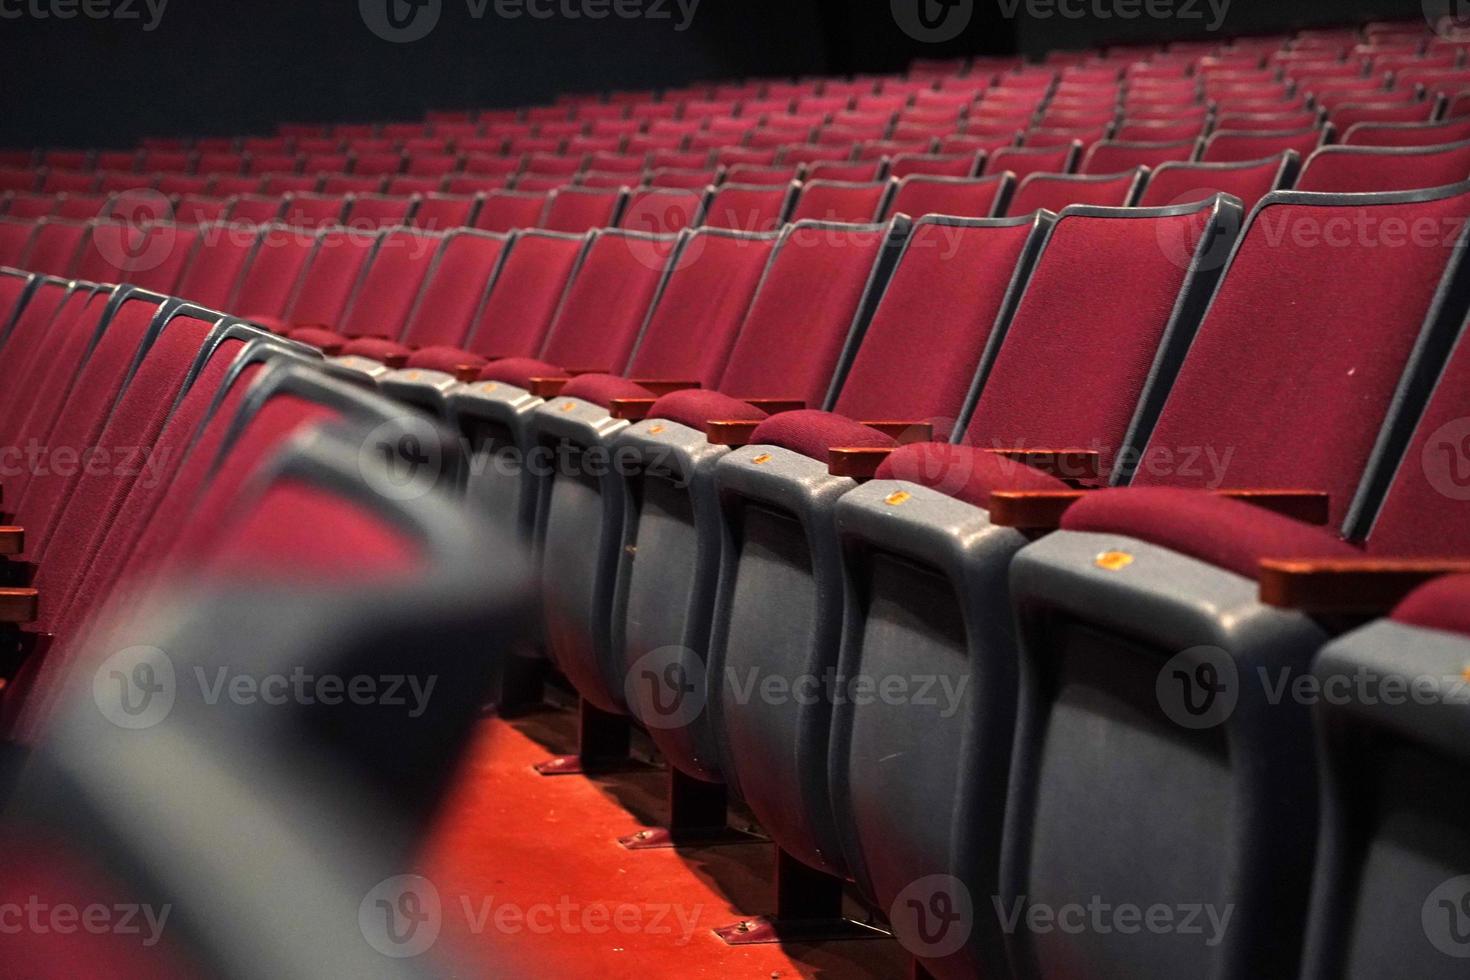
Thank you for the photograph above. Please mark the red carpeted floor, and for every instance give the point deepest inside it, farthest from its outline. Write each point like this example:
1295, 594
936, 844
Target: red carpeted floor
533, 882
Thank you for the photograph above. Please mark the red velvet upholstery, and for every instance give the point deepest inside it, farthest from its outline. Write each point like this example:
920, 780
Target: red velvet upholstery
1116, 156
329, 281
601, 389
1229, 534
1180, 183
696, 407
319, 337
1026, 160
442, 212
922, 194
1095, 309
1347, 169
812, 433
54, 246
381, 305
271, 280
446, 359
830, 200
215, 271
519, 371
576, 210
919, 357
313, 211
375, 211
1443, 604
1426, 512
50, 308
375, 349
661, 211
1227, 146
803, 313
608, 301
1413, 134
508, 210
1297, 391
711, 286
1055, 191
301, 533
963, 472
747, 208
15, 238
83, 415
525, 297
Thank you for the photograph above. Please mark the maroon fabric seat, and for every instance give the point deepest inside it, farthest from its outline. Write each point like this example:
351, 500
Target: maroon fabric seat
832, 200
1026, 160
696, 408
576, 209
741, 207
1443, 604
504, 211
1357, 169
518, 312
964, 472
1250, 180
271, 279
1056, 191
1111, 157
1226, 146
813, 433
218, 266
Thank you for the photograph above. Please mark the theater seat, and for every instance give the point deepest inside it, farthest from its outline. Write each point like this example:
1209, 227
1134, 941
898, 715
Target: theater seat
1178, 183
1355, 169
1056, 191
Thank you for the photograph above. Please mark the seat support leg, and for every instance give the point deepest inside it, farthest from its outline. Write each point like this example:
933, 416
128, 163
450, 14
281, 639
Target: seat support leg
698, 817
808, 910
603, 741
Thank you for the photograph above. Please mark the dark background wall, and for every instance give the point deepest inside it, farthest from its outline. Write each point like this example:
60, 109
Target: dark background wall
216, 67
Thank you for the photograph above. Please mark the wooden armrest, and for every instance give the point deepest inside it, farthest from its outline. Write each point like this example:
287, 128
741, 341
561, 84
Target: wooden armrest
733, 433
1308, 506
467, 372
662, 387
1064, 464
19, 606
774, 406
631, 409
856, 462
12, 540
1032, 510
905, 432
395, 361
548, 387
1348, 586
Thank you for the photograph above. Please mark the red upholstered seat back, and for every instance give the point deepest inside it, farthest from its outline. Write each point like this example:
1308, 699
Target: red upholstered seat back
56, 360
832, 200
313, 210
1408, 134
218, 266
1427, 509
1025, 160
15, 236
741, 207
374, 211
1074, 364
1298, 358
575, 209
699, 313
662, 211
1111, 157
152, 256
1355, 169
804, 313
456, 288
962, 197
1179, 183
508, 210
514, 320
1056, 191
441, 212
1235, 145
303, 533
381, 305
255, 208
270, 281
608, 302
54, 247
332, 276
939, 315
